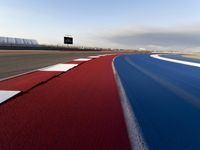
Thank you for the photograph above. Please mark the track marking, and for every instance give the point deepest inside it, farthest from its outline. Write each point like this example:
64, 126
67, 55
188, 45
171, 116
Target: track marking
135, 135
5, 95
93, 56
82, 59
176, 61
59, 67
103, 55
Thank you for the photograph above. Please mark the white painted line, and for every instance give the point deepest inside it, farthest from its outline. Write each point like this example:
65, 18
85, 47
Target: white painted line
103, 55
59, 67
177, 61
93, 56
134, 132
82, 59
5, 95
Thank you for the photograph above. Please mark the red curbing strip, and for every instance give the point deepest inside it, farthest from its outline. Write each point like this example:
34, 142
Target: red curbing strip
27, 81
74, 62
80, 109
15, 76
78, 61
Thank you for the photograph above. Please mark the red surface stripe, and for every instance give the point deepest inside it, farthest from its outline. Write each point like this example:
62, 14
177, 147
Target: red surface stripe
27, 81
74, 62
80, 109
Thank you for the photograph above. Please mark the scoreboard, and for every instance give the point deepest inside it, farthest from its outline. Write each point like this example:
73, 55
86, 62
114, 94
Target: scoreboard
68, 40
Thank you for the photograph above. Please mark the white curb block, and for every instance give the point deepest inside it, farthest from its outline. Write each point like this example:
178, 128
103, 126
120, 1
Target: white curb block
59, 67
5, 95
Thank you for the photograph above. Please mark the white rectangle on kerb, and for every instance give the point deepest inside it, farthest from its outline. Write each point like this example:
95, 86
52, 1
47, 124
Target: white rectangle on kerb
94, 56
5, 95
59, 67
82, 59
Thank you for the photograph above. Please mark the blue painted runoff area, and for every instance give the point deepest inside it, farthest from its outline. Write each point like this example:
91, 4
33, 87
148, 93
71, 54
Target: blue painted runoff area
180, 57
165, 98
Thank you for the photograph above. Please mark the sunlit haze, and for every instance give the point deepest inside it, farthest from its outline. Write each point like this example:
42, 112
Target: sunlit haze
150, 24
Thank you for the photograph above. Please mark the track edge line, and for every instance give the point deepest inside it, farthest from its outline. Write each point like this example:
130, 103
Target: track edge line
134, 132
183, 62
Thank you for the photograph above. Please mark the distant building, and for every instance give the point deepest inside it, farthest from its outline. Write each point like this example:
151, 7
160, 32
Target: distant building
10, 41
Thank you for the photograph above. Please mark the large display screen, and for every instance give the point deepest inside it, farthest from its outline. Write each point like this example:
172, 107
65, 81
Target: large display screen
68, 40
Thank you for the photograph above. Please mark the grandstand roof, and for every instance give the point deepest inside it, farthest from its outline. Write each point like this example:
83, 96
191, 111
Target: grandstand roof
17, 41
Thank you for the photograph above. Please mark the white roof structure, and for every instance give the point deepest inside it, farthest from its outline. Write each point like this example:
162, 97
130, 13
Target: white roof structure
17, 41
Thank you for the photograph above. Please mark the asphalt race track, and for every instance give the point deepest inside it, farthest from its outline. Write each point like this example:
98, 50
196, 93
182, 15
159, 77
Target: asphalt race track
165, 98
14, 62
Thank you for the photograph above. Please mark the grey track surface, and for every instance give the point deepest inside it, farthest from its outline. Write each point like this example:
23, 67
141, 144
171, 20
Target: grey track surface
17, 62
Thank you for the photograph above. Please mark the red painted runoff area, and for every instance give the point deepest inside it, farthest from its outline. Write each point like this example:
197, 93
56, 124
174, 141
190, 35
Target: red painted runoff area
27, 81
79, 109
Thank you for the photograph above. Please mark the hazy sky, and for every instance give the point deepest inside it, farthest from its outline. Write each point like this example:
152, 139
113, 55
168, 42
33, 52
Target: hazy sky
152, 24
